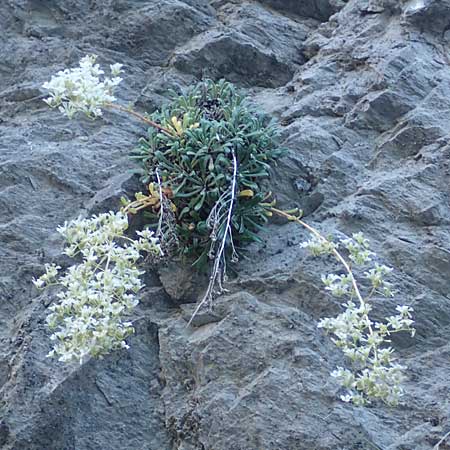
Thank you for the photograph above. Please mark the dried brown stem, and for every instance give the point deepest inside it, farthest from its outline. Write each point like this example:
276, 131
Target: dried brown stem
140, 117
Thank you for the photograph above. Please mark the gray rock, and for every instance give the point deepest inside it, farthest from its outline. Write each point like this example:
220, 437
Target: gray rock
429, 15
217, 54
362, 92
320, 10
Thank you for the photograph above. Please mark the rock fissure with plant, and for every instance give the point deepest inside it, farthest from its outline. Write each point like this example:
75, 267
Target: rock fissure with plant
205, 161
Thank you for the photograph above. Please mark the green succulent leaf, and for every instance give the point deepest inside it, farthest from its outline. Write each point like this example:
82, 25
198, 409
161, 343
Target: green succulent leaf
197, 166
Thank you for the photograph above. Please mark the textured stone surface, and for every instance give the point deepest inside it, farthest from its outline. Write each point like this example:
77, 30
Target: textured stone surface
362, 92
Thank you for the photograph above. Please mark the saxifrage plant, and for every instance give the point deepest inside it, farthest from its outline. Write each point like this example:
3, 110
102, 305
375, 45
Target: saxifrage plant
204, 158
374, 372
216, 130
212, 165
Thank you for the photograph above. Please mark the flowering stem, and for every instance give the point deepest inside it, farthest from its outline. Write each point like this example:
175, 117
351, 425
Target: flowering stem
335, 252
140, 117
338, 256
108, 259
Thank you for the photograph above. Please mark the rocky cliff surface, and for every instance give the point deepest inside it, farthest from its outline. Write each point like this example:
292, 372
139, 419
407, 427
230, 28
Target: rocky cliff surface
362, 92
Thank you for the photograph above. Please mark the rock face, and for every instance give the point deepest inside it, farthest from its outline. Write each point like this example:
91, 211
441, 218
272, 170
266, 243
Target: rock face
362, 91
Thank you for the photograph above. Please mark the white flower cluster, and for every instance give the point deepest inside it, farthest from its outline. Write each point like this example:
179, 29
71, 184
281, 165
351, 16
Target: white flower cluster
338, 285
319, 246
375, 276
358, 248
83, 89
89, 316
374, 373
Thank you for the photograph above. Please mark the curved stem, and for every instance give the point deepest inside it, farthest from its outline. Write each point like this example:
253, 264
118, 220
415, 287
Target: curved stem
140, 117
338, 256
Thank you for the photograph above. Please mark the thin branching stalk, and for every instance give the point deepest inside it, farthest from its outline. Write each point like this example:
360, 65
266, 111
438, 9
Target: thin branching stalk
219, 258
338, 256
374, 373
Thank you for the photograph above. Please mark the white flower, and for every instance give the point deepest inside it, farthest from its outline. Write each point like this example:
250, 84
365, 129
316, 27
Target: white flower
319, 246
116, 69
358, 247
83, 89
338, 285
347, 398
405, 310
374, 375
39, 283
88, 320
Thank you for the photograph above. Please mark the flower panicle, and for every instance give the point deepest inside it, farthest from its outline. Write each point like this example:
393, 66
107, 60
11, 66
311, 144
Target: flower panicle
374, 374
96, 294
83, 89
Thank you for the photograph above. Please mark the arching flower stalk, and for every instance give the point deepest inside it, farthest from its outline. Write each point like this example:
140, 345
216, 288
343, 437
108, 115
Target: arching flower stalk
86, 89
374, 374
